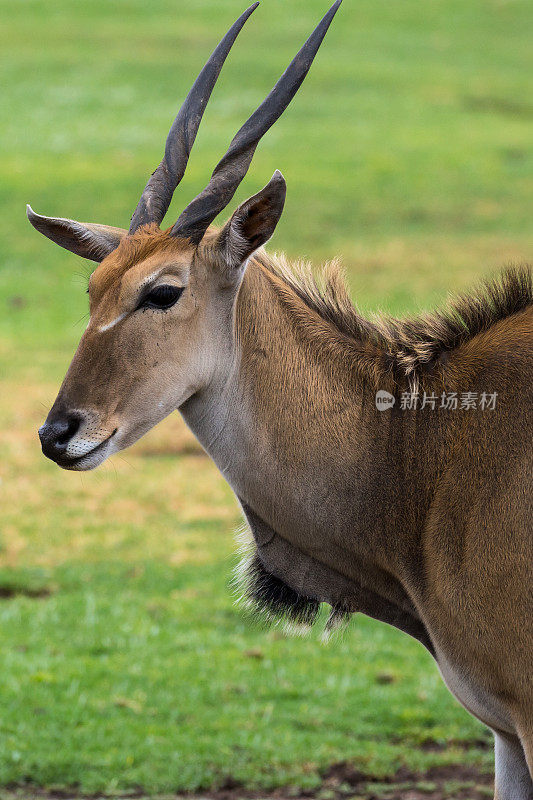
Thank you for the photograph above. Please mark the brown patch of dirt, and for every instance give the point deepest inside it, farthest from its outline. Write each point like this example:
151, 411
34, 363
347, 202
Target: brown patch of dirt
431, 746
340, 782
449, 782
13, 590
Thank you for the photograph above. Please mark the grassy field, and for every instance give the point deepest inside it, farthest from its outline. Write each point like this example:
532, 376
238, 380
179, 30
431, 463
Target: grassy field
408, 153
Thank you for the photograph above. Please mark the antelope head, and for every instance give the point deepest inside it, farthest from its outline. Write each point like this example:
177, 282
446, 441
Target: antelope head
161, 302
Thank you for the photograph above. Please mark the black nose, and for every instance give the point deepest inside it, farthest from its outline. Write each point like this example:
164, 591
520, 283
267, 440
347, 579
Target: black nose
56, 433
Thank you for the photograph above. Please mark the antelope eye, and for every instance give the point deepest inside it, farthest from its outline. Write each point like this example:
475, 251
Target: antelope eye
161, 297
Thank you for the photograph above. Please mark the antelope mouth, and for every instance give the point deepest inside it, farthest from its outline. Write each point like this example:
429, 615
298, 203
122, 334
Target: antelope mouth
93, 458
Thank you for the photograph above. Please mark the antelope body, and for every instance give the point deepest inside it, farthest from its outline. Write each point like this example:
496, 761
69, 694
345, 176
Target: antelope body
420, 518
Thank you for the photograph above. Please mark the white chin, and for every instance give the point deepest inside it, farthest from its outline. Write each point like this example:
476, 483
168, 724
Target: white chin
91, 460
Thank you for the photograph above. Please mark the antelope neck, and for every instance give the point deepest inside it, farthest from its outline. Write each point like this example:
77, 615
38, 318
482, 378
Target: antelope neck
307, 453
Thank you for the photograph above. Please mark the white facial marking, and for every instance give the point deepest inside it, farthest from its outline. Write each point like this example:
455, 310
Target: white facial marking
109, 325
143, 283
91, 459
78, 447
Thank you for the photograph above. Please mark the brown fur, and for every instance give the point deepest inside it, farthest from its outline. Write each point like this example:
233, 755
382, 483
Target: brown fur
412, 350
146, 242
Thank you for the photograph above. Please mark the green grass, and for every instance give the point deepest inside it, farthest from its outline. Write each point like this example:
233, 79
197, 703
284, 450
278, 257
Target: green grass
408, 153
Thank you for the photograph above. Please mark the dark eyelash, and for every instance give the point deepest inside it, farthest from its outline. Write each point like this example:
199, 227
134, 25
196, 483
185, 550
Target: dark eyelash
161, 298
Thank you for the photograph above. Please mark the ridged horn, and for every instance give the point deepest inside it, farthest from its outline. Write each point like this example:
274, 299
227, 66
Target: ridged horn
158, 192
231, 169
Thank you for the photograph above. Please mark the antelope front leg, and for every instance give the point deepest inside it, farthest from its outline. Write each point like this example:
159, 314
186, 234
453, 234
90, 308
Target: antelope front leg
512, 778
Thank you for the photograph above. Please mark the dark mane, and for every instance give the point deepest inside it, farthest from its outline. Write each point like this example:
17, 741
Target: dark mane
269, 600
409, 347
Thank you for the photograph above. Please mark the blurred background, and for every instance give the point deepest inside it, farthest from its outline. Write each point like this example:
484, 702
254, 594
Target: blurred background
408, 153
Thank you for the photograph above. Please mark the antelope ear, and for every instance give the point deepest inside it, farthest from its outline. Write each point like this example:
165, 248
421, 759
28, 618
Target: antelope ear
253, 223
86, 239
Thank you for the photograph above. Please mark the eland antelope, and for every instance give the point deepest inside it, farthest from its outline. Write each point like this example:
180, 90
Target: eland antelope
418, 514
